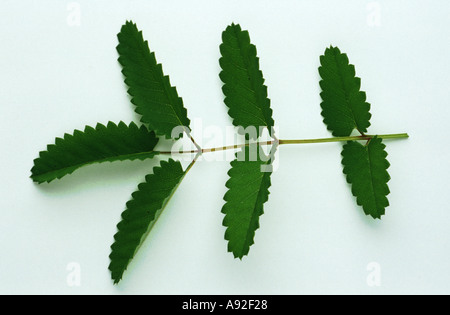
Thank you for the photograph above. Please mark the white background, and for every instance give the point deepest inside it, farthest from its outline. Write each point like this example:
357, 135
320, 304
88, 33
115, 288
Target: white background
57, 75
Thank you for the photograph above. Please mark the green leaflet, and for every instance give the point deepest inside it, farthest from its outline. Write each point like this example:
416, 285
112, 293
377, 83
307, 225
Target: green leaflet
366, 169
248, 190
142, 212
94, 145
344, 106
244, 89
155, 99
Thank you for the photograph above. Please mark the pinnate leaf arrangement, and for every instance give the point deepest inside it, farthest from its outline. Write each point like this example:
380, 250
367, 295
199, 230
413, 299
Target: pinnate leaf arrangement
163, 116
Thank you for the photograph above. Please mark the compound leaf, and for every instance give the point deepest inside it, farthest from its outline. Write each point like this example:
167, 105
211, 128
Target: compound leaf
142, 212
244, 89
156, 100
344, 106
248, 190
366, 169
93, 145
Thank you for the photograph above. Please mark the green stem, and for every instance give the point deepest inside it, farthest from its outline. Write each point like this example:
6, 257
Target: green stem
292, 141
337, 139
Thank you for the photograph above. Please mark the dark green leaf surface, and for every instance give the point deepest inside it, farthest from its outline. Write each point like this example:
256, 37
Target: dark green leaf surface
142, 212
94, 145
344, 106
366, 169
156, 100
248, 190
244, 89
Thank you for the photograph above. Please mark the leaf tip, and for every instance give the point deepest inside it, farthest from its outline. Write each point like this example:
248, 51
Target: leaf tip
116, 281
